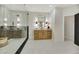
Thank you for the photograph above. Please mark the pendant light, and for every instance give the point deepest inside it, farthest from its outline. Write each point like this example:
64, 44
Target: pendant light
18, 21
5, 17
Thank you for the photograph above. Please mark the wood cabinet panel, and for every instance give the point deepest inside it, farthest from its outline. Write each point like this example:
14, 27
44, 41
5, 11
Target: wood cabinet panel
42, 34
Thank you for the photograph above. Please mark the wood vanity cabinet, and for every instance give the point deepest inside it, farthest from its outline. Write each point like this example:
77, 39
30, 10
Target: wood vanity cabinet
42, 34
11, 32
14, 33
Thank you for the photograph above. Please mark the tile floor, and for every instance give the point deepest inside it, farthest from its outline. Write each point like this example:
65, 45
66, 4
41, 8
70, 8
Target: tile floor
40, 47
13, 45
50, 47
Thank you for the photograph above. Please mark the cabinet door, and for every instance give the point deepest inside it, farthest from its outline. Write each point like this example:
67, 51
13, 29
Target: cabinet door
49, 34
41, 34
36, 34
45, 34
17, 34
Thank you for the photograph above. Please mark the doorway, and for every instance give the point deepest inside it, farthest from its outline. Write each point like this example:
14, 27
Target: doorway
69, 28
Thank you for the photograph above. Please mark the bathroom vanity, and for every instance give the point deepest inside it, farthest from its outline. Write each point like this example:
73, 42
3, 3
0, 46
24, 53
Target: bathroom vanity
11, 32
42, 28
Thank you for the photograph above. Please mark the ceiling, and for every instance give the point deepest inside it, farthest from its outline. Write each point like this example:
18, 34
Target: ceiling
36, 7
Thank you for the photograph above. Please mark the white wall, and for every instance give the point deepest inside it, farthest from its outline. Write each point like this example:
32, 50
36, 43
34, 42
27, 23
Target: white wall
3, 13
0, 16
52, 21
69, 27
59, 25
31, 22
69, 14
59, 22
